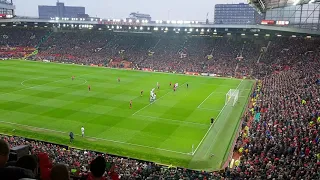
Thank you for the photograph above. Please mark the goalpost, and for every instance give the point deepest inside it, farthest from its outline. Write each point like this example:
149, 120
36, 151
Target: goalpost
232, 96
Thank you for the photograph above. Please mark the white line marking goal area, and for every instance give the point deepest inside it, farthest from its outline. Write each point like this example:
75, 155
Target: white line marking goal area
217, 118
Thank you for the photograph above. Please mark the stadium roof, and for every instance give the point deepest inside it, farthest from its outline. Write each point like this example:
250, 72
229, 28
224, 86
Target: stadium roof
263, 5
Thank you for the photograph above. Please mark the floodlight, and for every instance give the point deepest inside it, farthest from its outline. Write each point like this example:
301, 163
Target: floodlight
141, 28
243, 34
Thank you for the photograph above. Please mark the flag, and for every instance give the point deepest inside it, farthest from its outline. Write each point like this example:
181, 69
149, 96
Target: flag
210, 56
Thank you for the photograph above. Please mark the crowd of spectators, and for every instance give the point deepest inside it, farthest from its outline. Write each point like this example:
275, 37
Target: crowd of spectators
79, 163
279, 138
169, 53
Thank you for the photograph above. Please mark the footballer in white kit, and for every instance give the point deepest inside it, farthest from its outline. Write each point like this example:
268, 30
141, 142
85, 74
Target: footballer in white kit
82, 131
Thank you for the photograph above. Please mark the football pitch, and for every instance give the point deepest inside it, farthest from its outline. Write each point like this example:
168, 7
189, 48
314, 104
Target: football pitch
41, 101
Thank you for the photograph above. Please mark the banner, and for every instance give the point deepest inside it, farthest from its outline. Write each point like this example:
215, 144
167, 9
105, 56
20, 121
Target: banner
204, 74
213, 75
192, 73
146, 69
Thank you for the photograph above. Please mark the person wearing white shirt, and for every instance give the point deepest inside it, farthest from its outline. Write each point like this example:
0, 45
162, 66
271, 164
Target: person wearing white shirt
82, 131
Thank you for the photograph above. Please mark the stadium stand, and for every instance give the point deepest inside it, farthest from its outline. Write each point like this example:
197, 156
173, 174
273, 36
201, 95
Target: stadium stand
279, 137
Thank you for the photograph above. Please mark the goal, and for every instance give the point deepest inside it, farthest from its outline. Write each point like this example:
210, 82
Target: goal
232, 97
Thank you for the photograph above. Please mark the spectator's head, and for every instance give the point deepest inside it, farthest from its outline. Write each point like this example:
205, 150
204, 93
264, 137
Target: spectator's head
28, 162
98, 167
4, 152
60, 172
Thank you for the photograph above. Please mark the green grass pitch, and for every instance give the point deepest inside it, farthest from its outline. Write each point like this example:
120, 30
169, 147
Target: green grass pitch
39, 100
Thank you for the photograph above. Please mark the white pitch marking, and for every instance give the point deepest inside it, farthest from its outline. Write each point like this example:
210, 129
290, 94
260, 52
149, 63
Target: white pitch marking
120, 142
22, 83
178, 121
205, 99
211, 127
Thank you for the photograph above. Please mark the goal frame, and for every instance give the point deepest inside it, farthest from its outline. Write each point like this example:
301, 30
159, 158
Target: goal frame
233, 96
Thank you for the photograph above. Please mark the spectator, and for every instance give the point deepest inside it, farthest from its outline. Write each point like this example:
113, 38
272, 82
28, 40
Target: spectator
28, 162
97, 169
60, 172
4, 152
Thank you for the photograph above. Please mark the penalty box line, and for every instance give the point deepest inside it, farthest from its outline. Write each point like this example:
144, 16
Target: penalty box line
173, 120
96, 138
212, 126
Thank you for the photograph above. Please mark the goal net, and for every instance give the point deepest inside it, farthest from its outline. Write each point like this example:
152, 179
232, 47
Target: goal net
232, 97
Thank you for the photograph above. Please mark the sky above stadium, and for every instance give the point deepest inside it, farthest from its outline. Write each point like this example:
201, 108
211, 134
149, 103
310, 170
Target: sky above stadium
162, 10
